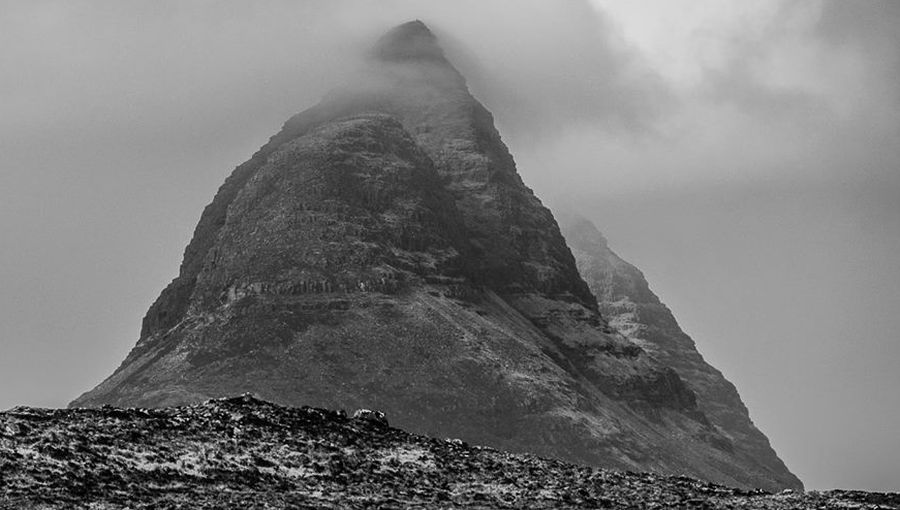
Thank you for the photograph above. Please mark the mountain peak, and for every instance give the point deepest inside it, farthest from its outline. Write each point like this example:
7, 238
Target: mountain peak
412, 40
381, 251
574, 224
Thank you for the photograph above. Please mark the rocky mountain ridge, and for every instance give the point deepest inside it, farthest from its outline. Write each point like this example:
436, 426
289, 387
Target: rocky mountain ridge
626, 301
245, 453
382, 251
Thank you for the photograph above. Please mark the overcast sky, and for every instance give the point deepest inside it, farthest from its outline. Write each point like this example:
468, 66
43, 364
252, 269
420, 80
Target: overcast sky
744, 155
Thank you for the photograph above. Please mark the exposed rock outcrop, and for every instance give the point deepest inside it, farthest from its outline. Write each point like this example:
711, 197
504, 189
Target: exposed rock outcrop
381, 251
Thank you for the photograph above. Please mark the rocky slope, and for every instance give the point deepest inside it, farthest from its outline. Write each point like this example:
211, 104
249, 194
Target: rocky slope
381, 251
629, 305
245, 453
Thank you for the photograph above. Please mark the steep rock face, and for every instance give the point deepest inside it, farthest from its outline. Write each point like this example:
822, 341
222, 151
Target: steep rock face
629, 305
381, 251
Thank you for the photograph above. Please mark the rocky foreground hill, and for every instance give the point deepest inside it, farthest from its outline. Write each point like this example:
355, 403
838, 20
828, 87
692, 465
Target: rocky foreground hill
246, 453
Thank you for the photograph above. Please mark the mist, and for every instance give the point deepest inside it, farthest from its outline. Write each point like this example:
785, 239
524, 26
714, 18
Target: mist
745, 157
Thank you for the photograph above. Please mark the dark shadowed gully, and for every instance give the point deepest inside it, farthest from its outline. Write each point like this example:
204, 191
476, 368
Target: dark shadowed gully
245, 453
382, 252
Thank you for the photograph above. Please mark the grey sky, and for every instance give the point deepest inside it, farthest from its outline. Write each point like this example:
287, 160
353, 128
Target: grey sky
744, 155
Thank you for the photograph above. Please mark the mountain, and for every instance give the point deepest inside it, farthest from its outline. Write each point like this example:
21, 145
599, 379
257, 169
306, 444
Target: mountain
629, 305
381, 251
245, 453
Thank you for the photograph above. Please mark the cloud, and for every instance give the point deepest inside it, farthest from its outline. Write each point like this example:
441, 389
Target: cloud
542, 79
102, 63
762, 92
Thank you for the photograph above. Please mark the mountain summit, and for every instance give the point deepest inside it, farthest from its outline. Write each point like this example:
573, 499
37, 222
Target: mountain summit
409, 41
381, 251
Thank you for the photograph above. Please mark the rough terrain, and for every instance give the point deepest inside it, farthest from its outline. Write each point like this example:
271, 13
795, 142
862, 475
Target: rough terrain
244, 453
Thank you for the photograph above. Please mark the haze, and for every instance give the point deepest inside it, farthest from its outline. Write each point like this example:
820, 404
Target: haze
743, 155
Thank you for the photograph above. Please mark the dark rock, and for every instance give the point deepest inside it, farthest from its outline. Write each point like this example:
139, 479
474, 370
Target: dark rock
373, 417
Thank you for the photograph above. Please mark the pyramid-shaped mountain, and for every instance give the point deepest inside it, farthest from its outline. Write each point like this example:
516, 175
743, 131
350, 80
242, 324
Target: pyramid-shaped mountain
381, 251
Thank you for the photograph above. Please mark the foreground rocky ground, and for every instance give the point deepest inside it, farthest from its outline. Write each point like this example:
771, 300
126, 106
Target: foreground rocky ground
246, 453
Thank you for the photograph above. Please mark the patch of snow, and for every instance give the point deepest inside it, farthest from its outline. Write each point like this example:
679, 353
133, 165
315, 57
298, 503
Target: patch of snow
493, 489
596, 425
409, 454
